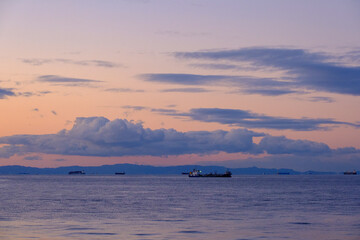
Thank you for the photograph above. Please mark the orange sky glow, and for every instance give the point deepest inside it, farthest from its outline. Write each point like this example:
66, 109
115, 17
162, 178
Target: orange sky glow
233, 83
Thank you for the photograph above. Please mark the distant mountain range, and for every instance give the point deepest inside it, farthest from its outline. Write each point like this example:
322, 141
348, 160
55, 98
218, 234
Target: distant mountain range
133, 169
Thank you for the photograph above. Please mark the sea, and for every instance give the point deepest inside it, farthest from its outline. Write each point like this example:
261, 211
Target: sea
178, 207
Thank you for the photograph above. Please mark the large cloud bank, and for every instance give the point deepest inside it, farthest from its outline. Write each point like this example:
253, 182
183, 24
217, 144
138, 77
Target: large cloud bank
98, 136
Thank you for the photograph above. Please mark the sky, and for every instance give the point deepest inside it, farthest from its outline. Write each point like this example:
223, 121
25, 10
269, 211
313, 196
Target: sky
261, 83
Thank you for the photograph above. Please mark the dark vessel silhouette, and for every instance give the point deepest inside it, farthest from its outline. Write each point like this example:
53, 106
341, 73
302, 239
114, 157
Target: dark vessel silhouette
197, 173
76, 172
350, 173
120, 173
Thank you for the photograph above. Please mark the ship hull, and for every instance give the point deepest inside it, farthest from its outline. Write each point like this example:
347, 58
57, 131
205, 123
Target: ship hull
212, 176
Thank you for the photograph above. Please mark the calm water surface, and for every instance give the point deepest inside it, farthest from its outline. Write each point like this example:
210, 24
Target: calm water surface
178, 207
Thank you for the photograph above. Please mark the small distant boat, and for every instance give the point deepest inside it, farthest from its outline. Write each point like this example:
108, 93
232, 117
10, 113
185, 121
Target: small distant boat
283, 173
197, 173
76, 172
120, 173
350, 173
185, 173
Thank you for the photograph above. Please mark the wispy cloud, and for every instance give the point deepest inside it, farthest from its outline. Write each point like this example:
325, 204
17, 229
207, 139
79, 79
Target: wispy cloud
35, 61
223, 66
302, 69
164, 111
66, 81
186, 90
321, 99
351, 57
238, 84
32, 158
93, 63
266, 92
60, 160
31, 94
5, 92
248, 119
123, 90
135, 108
185, 79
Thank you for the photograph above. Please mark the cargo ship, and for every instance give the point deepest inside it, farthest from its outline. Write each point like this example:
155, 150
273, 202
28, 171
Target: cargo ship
197, 173
76, 172
350, 173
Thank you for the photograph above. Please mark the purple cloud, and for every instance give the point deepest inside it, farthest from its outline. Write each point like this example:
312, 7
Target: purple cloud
96, 63
66, 81
5, 92
97, 136
248, 119
303, 69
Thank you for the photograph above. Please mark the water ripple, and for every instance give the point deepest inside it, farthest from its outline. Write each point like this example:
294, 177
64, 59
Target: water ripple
190, 231
97, 233
145, 234
300, 223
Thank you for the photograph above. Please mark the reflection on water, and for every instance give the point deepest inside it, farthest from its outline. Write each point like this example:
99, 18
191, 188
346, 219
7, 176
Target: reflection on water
177, 207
